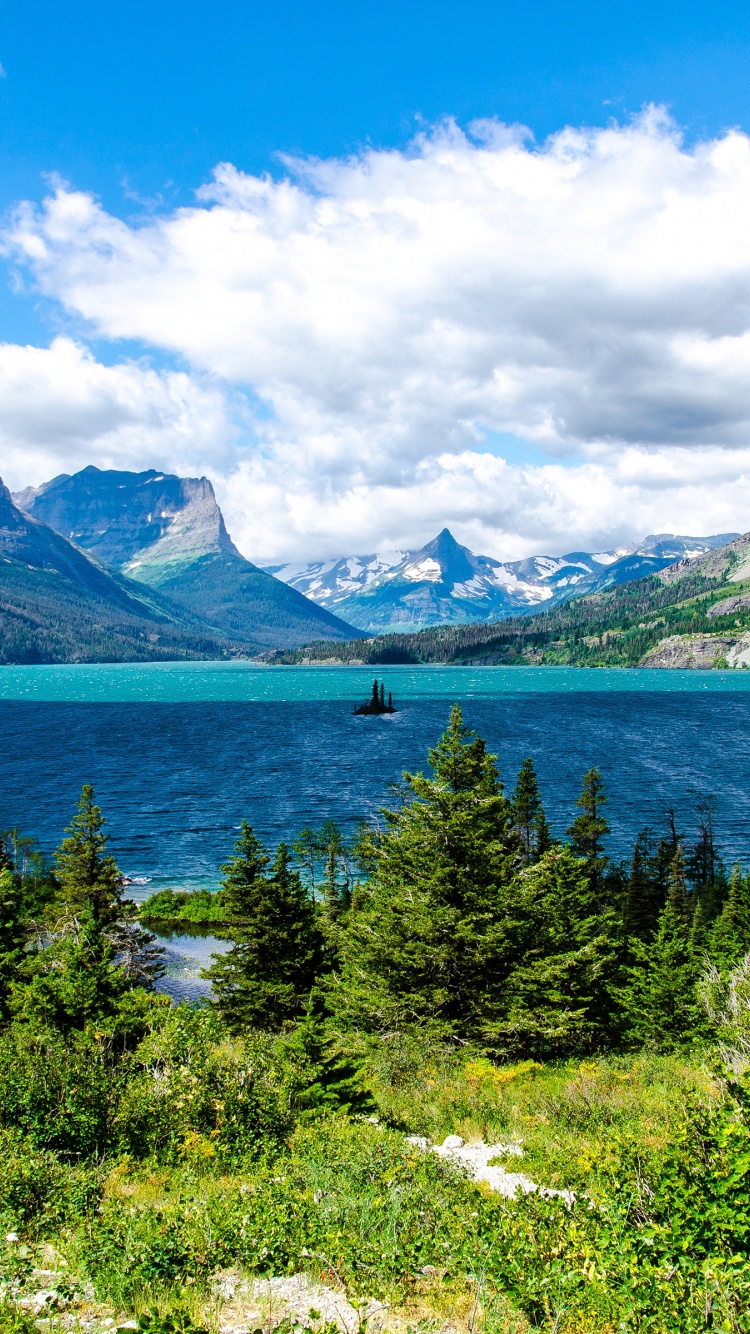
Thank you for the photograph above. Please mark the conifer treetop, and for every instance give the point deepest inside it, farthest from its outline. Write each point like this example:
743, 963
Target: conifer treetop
88, 875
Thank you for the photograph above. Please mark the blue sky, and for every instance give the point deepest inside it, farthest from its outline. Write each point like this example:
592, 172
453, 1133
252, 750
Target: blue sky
159, 92
136, 103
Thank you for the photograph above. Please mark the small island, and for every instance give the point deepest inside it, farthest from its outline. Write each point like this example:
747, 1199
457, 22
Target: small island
376, 703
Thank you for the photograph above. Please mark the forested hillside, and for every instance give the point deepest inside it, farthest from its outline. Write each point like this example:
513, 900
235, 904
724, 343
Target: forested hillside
706, 596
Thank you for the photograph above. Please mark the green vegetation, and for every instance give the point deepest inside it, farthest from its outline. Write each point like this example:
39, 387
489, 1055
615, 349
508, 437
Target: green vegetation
457, 972
615, 628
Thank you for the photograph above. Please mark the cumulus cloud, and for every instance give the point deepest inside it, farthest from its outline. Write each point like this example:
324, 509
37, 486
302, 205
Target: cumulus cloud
60, 410
382, 312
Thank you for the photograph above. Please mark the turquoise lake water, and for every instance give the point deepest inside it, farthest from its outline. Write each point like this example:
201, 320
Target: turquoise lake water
179, 753
185, 683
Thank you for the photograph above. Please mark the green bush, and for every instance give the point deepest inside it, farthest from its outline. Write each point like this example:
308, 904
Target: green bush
191, 1090
58, 1092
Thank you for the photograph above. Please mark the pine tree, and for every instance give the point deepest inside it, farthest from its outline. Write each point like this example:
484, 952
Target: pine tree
677, 893
543, 840
266, 978
73, 981
6, 861
661, 997
589, 829
526, 805
306, 850
240, 874
74, 977
326, 1079
87, 875
643, 899
12, 933
730, 938
430, 941
704, 867
699, 936
559, 993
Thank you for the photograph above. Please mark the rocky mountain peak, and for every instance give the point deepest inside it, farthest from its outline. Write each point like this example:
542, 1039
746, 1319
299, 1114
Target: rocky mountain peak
129, 519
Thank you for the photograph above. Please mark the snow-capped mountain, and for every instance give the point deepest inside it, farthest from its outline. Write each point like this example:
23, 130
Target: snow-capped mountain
445, 583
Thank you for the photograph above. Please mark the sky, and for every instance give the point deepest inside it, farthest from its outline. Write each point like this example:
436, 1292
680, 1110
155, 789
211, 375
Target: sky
381, 269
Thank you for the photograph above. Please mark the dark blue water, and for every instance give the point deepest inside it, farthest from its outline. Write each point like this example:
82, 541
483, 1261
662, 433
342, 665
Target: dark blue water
175, 779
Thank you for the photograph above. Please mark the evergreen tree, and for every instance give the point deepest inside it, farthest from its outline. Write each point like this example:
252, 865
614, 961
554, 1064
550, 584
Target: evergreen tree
643, 899
661, 996
306, 850
6, 860
87, 875
698, 940
431, 941
543, 839
730, 937
704, 867
559, 994
526, 805
677, 893
326, 1078
266, 978
73, 981
240, 874
590, 828
74, 977
12, 933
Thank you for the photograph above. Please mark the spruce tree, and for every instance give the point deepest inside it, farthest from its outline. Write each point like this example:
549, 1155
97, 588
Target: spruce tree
266, 978
730, 938
13, 932
677, 893
325, 1079
6, 861
87, 875
526, 805
643, 899
73, 981
430, 941
589, 829
74, 976
543, 839
661, 996
559, 995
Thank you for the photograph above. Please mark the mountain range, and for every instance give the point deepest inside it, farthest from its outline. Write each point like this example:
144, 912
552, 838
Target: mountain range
444, 583
105, 564
693, 613
166, 534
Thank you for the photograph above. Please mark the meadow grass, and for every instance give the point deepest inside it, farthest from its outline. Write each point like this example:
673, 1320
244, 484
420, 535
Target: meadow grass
353, 1205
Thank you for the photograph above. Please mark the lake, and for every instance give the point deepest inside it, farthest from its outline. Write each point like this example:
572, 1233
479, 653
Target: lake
179, 753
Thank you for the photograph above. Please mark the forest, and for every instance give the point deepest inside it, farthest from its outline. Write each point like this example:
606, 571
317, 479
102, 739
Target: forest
454, 970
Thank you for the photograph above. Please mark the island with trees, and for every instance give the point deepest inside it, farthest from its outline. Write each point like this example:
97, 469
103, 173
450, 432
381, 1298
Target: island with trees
377, 703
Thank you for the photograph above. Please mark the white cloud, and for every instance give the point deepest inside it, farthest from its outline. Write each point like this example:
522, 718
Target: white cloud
591, 295
60, 410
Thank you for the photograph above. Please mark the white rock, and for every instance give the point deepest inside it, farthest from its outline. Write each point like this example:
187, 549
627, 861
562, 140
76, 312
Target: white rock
451, 1142
476, 1160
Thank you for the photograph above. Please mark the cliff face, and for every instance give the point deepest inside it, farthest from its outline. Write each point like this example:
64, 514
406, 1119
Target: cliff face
132, 519
168, 532
59, 605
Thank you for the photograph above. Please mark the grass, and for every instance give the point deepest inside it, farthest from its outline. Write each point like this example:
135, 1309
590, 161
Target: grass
354, 1206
